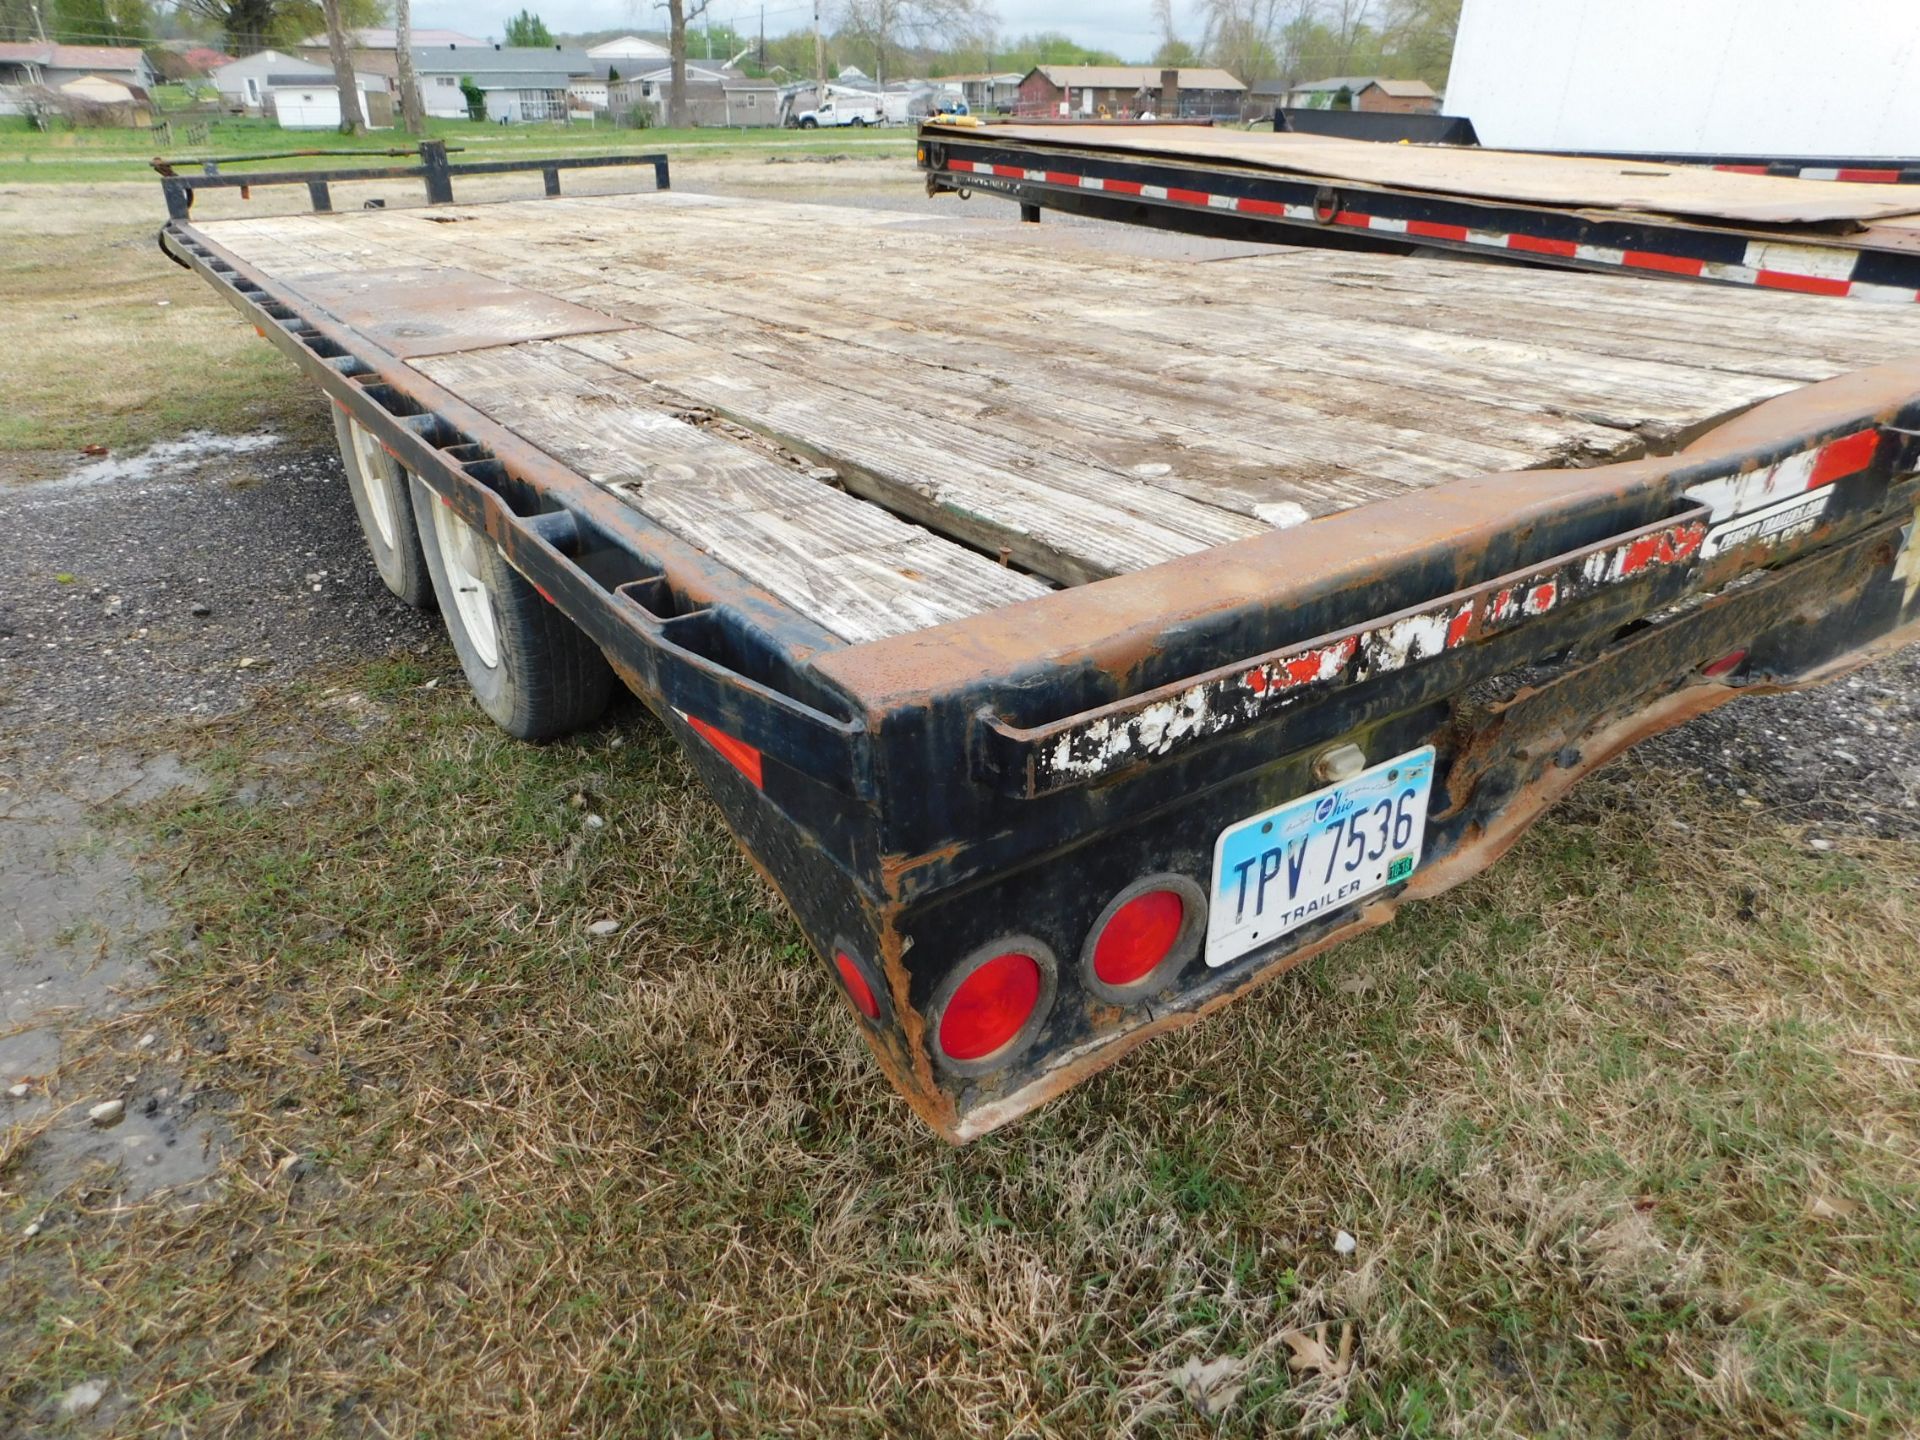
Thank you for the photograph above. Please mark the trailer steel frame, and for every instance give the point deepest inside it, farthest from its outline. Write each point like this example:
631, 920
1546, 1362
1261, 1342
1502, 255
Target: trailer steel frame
919, 798
1239, 202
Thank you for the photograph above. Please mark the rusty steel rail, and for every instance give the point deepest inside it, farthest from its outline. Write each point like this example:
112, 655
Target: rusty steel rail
210, 164
434, 171
924, 799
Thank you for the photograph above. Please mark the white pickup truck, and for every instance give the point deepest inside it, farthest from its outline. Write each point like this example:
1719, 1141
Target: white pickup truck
843, 108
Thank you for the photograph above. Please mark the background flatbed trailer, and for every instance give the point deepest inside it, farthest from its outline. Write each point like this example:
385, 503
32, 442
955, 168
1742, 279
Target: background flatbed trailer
984, 642
1828, 237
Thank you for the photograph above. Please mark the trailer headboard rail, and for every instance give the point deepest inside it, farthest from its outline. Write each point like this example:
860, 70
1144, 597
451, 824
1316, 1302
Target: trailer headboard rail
434, 170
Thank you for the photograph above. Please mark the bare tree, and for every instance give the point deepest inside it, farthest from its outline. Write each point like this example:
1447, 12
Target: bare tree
1248, 37
1346, 19
1163, 21
352, 122
888, 25
412, 112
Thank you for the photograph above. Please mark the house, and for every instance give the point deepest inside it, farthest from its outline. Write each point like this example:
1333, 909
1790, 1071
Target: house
184, 61
520, 82
1123, 90
103, 100
985, 91
716, 96
303, 101
630, 54
300, 94
372, 48
36, 63
1366, 92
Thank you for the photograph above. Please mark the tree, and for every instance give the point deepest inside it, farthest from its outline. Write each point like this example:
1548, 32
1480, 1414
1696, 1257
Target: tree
351, 120
412, 112
886, 26
1048, 47
1173, 52
1242, 35
527, 28
90, 22
250, 25
1419, 36
677, 17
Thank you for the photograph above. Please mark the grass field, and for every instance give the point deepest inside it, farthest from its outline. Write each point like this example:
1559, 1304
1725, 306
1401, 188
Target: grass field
29, 156
103, 342
1625, 1133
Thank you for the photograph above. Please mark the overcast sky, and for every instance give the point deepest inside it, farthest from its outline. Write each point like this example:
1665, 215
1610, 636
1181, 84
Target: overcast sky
1124, 26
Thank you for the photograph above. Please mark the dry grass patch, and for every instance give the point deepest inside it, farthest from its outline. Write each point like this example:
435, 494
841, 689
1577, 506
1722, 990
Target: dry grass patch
104, 341
1625, 1132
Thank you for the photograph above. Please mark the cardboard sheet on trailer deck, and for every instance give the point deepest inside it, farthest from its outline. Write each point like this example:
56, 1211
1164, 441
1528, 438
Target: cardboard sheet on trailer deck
1559, 180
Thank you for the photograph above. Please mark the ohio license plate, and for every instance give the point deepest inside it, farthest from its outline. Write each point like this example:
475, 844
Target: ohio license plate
1279, 869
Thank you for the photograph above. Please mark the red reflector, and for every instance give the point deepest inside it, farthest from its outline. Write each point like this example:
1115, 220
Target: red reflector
742, 756
990, 1007
1726, 664
1840, 458
1138, 937
858, 990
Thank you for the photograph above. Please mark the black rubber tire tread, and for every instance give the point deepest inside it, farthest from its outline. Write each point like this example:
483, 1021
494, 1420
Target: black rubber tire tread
402, 565
551, 680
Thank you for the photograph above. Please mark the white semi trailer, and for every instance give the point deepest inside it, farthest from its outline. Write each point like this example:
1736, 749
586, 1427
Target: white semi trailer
1710, 77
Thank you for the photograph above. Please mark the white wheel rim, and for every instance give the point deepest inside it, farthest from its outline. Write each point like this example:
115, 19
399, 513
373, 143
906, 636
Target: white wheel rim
366, 454
456, 541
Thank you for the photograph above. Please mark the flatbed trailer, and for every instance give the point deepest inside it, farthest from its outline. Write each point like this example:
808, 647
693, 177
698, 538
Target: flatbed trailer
1825, 237
1043, 660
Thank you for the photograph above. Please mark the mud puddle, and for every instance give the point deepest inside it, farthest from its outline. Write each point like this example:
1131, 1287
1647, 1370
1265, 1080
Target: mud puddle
87, 1090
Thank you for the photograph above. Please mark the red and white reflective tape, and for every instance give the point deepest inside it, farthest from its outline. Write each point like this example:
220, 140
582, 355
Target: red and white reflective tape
1767, 264
1782, 501
1853, 174
1228, 700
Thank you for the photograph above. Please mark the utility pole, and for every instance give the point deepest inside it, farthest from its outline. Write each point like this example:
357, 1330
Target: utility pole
819, 59
763, 36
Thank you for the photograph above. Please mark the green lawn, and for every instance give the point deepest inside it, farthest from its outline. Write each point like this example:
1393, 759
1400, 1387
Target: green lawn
29, 155
1623, 1131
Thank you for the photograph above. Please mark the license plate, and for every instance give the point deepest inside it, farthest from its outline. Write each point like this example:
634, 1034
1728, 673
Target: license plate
1277, 870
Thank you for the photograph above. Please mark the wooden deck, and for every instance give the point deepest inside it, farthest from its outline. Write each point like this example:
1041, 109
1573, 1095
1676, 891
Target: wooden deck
1523, 177
892, 422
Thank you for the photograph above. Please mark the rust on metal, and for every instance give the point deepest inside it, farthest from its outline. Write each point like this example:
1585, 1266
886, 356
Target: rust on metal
421, 310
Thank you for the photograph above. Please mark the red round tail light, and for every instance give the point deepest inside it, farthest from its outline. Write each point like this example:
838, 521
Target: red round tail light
1138, 936
991, 1006
858, 990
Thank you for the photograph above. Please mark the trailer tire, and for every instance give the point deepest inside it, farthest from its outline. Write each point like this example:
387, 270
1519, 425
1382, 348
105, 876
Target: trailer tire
378, 485
532, 669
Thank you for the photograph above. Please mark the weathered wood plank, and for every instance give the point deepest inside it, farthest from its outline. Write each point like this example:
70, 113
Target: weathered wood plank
860, 571
1067, 521
1090, 413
